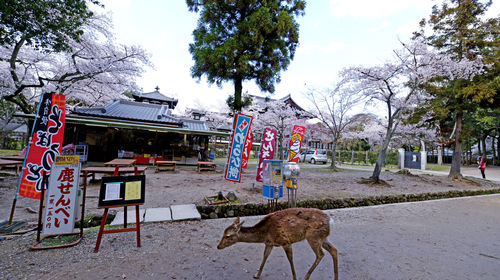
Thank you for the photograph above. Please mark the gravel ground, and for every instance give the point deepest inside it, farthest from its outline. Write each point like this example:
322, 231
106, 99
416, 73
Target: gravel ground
442, 239
187, 186
430, 240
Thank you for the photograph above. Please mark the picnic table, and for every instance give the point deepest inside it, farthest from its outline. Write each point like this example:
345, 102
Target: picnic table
206, 165
18, 158
165, 165
120, 162
16, 163
111, 170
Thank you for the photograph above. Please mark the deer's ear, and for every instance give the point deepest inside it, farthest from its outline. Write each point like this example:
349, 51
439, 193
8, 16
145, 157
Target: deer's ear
236, 221
238, 225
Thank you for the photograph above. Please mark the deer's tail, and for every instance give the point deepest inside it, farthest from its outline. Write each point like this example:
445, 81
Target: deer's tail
331, 222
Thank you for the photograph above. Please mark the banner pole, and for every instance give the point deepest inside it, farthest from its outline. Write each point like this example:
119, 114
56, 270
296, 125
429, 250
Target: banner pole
24, 162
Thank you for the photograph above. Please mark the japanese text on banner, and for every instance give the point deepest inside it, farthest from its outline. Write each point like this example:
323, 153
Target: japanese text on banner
46, 143
266, 150
240, 134
62, 198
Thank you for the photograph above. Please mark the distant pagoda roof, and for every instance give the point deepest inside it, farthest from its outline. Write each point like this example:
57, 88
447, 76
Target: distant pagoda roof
155, 97
261, 101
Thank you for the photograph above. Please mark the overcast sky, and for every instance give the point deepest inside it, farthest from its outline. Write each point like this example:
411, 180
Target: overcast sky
333, 34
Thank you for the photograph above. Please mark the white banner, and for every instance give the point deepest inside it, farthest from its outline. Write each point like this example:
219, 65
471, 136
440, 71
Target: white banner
61, 199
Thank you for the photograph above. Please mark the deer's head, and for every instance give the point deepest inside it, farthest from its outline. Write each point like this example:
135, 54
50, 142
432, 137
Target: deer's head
230, 234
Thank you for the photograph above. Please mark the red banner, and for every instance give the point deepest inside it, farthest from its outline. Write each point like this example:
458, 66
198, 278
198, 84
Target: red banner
295, 143
247, 149
266, 149
46, 143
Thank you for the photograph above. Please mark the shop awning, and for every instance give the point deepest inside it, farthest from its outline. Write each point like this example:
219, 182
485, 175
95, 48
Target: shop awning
100, 122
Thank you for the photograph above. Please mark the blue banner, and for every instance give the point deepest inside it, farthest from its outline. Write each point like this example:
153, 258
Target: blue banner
240, 134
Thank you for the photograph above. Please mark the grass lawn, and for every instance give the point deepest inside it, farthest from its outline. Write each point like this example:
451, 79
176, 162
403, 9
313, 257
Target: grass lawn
4, 152
435, 167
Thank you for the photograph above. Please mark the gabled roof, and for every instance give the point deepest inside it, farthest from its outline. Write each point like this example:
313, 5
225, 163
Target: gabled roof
155, 97
286, 99
141, 112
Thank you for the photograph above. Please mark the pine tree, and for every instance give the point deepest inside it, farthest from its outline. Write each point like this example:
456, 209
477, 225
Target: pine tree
244, 40
459, 31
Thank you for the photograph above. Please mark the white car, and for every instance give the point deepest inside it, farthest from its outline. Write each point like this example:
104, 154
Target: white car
313, 156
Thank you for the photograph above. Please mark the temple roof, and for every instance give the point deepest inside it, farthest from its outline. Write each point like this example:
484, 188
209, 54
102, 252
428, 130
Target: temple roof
142, 112
155, 97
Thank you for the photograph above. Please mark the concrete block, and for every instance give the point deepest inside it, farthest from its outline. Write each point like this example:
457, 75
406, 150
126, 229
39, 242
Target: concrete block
185, 212
158, 215
130, 217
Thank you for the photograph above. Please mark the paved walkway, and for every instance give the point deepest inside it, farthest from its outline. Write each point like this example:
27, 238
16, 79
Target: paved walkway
492, 173
439, 239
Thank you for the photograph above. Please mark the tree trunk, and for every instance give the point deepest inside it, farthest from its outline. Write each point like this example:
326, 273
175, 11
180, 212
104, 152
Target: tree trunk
479, 147
456, 160
332, 165
483, 143
494, 158
238, 88
381, 156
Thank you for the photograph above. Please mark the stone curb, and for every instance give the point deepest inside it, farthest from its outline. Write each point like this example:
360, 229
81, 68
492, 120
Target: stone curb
251, 209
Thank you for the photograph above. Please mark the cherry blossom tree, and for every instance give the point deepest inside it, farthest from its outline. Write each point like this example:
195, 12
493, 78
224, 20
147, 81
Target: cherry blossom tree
279, 116
92, 70
397, 84
334, 109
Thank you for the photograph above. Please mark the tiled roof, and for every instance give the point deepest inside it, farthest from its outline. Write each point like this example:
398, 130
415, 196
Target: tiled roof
156, 95
142, 112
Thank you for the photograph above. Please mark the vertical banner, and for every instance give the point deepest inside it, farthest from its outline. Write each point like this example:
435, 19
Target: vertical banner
247, 149
266, 150
45, 145
62, 196
240, 134
295, 143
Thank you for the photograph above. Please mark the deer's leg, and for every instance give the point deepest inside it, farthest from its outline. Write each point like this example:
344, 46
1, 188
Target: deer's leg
316, 246
267, 251
333, 251
289, 255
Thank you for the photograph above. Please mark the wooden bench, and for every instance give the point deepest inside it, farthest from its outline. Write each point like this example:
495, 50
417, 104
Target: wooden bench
206, 165
165, 165
16, 163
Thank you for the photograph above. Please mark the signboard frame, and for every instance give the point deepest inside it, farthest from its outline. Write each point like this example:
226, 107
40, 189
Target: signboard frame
107, 192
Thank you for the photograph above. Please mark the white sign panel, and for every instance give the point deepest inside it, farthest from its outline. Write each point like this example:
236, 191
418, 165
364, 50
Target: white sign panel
61, 197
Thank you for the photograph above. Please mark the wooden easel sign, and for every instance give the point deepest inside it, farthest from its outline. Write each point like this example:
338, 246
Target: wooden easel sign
121, 191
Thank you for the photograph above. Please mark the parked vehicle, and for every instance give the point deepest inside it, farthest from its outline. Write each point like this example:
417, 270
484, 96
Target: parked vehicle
313, 156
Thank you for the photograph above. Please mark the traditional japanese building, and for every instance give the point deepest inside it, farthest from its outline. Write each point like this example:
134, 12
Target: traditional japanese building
144, 128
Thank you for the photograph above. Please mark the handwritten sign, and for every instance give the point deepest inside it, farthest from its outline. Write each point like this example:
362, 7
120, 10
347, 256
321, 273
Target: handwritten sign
62, 196
240, 134
122, 190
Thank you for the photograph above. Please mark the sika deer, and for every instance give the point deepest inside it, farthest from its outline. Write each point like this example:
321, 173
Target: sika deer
283, 228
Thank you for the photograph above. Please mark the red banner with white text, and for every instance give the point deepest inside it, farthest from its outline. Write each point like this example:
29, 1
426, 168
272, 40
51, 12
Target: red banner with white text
266, 150
247, 149
46, 143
